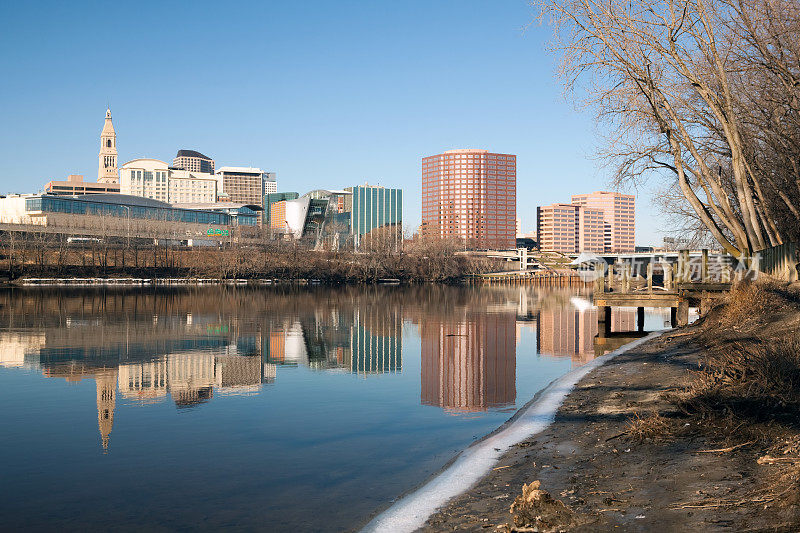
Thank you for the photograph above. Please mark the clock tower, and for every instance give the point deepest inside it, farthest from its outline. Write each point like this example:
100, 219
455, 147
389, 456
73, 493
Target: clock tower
107, 171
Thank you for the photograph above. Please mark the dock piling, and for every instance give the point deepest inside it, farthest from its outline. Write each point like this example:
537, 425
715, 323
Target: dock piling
683, 312
704, 268
604, 321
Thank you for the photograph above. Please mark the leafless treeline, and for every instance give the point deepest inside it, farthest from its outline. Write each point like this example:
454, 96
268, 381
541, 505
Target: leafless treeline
40, 253
705, 92
416, 261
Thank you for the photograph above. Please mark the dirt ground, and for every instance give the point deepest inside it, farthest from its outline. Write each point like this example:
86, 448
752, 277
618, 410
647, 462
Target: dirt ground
608, 480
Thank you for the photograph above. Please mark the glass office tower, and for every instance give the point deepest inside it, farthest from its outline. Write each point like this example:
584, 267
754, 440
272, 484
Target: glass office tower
375, 207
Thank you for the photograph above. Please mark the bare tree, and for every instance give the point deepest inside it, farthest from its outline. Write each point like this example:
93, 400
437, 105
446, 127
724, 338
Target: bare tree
679, 81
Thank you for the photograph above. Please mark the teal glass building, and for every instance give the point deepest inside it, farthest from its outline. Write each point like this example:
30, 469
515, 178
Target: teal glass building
374, 207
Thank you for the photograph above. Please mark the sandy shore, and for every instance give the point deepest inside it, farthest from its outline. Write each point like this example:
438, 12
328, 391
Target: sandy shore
609, 481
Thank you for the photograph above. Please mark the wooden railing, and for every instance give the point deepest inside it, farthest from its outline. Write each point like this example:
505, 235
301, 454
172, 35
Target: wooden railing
780, 261
705, 270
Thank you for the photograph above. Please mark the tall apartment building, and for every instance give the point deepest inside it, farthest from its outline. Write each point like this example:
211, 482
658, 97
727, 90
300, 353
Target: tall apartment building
151, 178
619, 216
107, 166
193, 162
246, 185
470, 195
569, 228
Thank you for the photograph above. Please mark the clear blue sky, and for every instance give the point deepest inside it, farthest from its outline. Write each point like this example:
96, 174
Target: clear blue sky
326, 94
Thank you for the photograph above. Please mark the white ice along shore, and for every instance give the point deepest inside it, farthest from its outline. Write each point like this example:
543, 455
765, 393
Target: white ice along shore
411, 511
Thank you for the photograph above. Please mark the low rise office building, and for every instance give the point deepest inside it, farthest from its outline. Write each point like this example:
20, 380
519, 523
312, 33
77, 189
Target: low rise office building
74, 185
40, 209
600, 222
250, 214
109, 216
618, 215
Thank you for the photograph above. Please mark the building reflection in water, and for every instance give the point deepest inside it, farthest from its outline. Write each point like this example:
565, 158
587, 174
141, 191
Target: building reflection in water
150, 347
469, 364
364, 341
106, 384
376, 341
570, 331
191, 346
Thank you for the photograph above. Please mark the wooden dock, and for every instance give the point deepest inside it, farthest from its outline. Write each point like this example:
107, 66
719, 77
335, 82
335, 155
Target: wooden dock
677, 285
544, 278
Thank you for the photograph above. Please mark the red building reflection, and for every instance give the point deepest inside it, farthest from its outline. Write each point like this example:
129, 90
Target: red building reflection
469, 364
570, 332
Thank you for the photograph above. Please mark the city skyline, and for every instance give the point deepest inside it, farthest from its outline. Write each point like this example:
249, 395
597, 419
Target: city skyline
241, 125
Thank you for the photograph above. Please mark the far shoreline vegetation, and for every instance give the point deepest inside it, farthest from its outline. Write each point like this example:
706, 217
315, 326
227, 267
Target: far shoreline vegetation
44, 255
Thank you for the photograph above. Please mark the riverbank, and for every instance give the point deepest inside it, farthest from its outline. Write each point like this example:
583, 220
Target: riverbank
698, 428
57, 258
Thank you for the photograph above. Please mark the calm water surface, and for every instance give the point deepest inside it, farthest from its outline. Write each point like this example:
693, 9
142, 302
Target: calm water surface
274, 409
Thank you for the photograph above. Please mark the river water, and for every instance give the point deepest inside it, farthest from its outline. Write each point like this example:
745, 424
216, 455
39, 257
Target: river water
278, 408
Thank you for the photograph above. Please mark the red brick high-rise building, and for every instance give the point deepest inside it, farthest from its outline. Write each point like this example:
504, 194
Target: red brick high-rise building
470, 195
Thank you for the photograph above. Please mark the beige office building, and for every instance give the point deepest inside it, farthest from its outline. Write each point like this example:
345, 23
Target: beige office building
619, 217
245, 185
569, 228
151, 178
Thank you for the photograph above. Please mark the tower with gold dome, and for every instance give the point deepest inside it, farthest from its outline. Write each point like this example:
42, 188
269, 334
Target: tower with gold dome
107, 170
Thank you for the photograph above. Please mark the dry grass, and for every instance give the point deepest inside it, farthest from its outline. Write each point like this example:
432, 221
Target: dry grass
788, 478
751, 302
748, 301
747, 391
756, 380
650, 427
